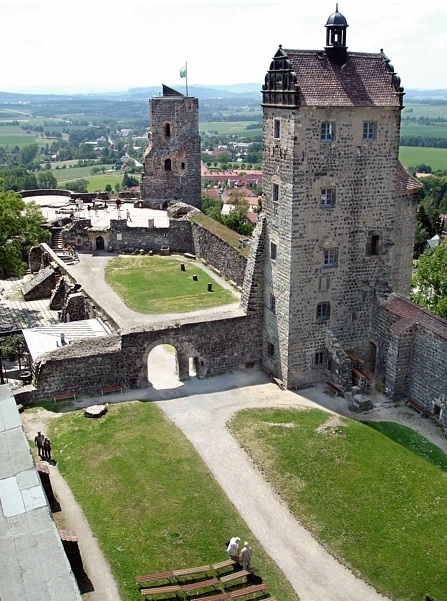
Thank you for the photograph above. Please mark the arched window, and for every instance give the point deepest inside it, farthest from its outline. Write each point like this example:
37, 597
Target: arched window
168, 165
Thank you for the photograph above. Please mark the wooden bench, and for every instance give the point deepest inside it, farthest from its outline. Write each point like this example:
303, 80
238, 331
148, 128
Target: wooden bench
247, 590
61, 396
227, 563
195, 586
337, 389
161, 590
112, 388
153, 577
192, 571
418, 407
279, 383
218, 597
230, 578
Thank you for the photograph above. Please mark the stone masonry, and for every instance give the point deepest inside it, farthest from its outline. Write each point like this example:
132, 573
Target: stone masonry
171, 170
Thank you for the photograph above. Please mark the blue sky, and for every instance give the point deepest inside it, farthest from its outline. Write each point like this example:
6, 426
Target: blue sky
90, 45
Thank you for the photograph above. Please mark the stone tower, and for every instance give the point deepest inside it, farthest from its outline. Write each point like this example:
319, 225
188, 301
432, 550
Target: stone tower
171, 171
339, 207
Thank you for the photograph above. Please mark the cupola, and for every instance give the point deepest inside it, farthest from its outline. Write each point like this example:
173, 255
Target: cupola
336, 48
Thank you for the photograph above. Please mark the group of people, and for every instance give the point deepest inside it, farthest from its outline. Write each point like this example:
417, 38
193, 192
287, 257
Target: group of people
244, 556
43, 445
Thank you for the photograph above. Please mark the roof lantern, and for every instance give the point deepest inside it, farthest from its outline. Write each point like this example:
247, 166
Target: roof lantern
336, 48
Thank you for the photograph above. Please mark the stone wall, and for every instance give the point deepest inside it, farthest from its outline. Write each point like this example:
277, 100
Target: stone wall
412, 353
177, 237
214, 250
216, 346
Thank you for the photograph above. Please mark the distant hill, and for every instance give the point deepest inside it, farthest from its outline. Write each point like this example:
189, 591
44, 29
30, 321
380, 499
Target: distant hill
246, 90
242, 90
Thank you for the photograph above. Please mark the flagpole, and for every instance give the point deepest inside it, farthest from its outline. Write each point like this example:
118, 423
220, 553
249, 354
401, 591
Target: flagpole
186, 77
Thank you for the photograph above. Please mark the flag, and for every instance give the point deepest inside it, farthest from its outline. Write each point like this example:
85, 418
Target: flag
183, 71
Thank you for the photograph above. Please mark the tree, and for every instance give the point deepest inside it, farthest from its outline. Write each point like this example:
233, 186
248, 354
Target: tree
430, 281
46, 181
79, 185
28, 154
108, 188
20, 229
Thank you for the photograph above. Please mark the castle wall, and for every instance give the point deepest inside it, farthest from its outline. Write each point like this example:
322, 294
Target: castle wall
227, 260
217, 346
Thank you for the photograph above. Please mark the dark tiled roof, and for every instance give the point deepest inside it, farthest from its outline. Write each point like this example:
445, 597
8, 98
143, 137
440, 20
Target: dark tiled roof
362, 81
405, 182
411, 314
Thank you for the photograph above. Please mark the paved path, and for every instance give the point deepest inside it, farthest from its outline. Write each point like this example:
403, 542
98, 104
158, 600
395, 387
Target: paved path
312, 571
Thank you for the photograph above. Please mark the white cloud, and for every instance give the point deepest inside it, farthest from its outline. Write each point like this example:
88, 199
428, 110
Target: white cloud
99, 44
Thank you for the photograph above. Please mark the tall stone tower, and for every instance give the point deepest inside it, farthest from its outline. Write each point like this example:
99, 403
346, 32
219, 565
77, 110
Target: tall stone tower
171, 171
339, 207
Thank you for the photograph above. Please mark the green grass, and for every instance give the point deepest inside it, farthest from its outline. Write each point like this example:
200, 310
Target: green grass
412, 156
151, 502
157, 285
375, 501
233, 128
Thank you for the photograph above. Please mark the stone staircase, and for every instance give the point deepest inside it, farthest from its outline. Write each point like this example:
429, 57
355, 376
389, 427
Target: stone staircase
57, 243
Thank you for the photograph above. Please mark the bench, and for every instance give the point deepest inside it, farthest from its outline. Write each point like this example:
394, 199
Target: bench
194, 586
192, 571
161, 590
418, 407
279, 383
247, 590
218, 597
153, 577
337, 389
230, 578
61, 396
227, 563
113, 388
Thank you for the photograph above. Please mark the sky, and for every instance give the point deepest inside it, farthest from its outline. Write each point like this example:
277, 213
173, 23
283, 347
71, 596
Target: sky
66, 46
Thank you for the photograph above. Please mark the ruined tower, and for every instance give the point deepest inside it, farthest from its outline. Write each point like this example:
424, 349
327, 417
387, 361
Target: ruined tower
339, 207
171, 171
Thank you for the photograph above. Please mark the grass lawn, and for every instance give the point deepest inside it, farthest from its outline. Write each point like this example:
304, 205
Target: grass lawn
157, 285
412, 156
151, 502
374, 496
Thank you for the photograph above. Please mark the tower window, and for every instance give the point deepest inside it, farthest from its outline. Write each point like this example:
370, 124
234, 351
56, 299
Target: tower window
327, 197
270, 349
327, 133
272, 303
330, 257
373, 245
183, 166
369, 130
167, 130
276, 129
319, 359
275, 193
273, 251
168, 165
323, 311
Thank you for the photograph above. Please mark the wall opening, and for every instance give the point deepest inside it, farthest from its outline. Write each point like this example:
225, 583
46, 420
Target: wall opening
100, 243
162, 367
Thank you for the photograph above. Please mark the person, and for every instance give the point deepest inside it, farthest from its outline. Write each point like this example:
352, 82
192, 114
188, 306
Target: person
47, 448
128, 215
245, 557
38, 442
233, 548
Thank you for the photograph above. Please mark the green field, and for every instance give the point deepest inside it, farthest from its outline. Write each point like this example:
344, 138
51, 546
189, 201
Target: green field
411, 156
150, 500
231, 128
374, 496
157, 285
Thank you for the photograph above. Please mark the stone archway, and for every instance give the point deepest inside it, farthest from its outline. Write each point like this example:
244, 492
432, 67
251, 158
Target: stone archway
167, 366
